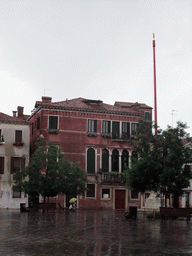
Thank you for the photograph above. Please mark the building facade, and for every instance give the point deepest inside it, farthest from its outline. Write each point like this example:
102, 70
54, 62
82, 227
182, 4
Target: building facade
99, 136
14, 155
186, 199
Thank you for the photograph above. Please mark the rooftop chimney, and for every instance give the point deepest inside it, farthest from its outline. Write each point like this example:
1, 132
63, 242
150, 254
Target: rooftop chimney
46, 99
20, 111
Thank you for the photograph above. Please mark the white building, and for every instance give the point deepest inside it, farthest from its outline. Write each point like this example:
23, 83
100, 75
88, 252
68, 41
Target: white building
186, 199
14, 154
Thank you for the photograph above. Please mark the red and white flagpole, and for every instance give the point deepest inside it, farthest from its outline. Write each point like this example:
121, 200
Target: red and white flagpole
155, 92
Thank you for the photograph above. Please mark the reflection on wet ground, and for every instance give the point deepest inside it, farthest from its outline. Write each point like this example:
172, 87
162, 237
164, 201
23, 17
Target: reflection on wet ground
91, 233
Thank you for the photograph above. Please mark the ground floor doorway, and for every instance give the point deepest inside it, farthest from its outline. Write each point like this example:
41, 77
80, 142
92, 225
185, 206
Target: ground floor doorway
119, 199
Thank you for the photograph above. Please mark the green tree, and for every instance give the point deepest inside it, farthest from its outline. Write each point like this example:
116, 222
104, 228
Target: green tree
50, 173
160, 165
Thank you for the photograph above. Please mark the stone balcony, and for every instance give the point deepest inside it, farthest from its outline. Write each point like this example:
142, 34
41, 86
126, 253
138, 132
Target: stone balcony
113, 178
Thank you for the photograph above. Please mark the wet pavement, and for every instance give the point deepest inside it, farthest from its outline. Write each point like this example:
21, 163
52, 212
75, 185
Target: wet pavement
91, 233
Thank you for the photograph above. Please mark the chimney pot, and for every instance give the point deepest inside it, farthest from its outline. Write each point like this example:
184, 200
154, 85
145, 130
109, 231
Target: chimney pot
46, 99
14, 113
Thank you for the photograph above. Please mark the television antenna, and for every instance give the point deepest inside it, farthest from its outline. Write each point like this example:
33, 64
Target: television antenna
46, 90
173, 114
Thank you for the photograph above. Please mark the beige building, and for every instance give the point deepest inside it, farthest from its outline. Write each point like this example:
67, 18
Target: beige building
14, 154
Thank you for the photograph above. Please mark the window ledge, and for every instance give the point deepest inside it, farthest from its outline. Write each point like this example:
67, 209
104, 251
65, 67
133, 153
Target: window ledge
106, 135
18, 144
53, 131
2, 143
92, 134
124, 140
118, 139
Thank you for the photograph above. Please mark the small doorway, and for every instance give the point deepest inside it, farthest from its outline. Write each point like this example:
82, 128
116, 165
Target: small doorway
119, 199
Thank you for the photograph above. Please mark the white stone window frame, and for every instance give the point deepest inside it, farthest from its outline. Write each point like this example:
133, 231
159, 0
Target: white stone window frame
110, 192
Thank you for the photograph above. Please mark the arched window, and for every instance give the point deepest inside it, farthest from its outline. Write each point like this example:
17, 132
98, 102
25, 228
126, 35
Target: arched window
90, 160
115, 161
124, 160
105, 160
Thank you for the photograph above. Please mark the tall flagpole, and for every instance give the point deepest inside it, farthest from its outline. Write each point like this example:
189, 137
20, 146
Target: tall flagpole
155, 92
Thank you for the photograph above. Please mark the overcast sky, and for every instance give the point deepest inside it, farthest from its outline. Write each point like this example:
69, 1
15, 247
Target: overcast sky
97, 49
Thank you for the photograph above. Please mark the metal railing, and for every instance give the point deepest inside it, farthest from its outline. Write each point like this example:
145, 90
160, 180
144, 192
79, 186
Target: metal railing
112, 177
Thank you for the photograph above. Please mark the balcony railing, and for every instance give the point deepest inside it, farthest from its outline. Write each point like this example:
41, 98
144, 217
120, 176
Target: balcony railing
112, 177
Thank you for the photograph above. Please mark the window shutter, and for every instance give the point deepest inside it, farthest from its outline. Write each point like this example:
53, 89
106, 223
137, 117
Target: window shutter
95, 125
106, 127
92, 126
18, 136
125, 130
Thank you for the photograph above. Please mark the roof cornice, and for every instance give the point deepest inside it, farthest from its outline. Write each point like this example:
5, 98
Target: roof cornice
122, 113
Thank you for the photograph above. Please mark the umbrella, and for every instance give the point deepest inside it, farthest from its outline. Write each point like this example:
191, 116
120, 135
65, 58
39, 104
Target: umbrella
73, 200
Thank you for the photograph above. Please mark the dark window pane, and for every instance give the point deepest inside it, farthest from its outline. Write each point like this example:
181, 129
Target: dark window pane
16, 194
105, 160
134, 194
134, 157
53, 122
17, 164
124, 160
147, 195
115, 160
147, 116
1, 165
91, 160
90, 190
105, 193
115, 130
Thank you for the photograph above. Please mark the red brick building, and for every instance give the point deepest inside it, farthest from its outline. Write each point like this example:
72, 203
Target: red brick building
99, 136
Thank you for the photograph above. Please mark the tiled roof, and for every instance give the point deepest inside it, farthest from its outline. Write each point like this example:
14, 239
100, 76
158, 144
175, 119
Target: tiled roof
11, 120
81, 104
187, 142
131, 105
